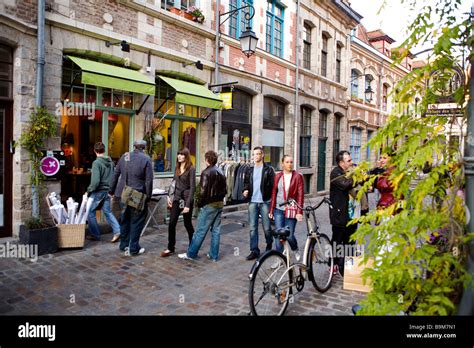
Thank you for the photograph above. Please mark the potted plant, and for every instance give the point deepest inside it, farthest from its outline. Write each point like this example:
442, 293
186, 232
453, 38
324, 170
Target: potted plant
42, 126
175, 10
195, 14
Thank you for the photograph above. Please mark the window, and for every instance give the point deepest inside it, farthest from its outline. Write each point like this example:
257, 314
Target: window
338, 62
181, 4
324, 56
384, 97
6, 71
178, 129
354, 83
370, 134
323, 124
307, 183
274, 36
273, 114
235, 138
273, 135
237, 22
354, 149
307, 46
368, 82
337, 137
305, 138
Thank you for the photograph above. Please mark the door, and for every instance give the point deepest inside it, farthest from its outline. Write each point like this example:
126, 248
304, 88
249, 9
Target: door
321, 164
6, 154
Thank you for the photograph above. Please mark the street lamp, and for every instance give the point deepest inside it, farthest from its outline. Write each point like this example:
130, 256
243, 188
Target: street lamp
248, 39
369, 94
248, 44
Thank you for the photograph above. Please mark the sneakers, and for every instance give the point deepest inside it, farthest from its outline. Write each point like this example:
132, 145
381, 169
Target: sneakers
336, 271
167, 253
252, 256
127, 252
210, 258
115, 238
185, 256
297, 255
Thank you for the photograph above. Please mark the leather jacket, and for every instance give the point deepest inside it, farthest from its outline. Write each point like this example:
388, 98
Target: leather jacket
213, 186
296, 190
339, 196
266, 185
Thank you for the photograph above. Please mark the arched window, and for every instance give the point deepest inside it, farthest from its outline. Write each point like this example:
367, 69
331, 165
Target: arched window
273, 135
337, 136
385, 88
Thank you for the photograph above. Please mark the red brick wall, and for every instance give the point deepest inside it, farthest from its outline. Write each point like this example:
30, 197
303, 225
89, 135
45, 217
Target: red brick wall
26, 10
249, 63
272, 68
174, 35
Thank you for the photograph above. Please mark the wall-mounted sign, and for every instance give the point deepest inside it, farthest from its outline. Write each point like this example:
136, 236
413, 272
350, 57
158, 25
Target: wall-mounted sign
226, 99
52, 163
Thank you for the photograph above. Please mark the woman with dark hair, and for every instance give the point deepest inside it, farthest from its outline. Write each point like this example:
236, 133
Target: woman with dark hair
288, 184
183, 199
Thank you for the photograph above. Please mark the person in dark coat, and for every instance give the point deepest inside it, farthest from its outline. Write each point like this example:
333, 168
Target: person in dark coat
183, 199
339, 215
135, 170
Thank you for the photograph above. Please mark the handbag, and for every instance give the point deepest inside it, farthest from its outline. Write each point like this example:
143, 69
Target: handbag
131, 197
290, 209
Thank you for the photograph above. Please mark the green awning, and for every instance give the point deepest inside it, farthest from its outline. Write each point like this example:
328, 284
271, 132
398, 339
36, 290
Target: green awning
110, 76
193, 94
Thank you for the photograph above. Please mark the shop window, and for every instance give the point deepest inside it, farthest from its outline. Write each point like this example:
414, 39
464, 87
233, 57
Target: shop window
273, 114
172, 132
6, 71
307, 183
273, 136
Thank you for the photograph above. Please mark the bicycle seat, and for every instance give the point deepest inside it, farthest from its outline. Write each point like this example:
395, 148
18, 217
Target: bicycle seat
282, 233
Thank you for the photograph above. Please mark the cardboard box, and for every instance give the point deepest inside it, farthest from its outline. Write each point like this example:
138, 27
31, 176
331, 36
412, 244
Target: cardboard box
352, 274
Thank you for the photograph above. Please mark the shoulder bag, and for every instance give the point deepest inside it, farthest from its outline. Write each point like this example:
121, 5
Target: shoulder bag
131, 197
290, 209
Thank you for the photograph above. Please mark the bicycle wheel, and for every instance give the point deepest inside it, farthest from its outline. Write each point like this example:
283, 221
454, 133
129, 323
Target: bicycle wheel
320, 262
269, 289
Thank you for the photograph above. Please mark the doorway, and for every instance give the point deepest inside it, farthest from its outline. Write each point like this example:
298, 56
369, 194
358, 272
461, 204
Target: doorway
6, 184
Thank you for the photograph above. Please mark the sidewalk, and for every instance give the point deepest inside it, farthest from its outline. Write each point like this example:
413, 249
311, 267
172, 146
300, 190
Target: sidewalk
99, 280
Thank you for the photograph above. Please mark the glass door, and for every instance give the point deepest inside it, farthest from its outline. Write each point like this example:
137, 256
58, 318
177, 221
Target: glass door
6, 181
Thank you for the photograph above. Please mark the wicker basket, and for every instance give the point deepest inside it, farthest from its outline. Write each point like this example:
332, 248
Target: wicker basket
71, 236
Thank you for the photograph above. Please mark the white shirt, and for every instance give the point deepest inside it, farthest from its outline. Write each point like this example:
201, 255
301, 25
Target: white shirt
287, 178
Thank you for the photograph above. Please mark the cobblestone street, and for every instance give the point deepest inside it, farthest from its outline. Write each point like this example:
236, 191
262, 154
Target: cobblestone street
100, 280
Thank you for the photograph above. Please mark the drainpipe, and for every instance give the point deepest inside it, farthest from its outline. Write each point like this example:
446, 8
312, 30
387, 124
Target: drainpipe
39, 86
466, 307
217, 117
297, 81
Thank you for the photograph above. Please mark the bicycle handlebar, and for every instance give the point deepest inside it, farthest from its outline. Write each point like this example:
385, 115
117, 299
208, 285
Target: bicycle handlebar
308, 208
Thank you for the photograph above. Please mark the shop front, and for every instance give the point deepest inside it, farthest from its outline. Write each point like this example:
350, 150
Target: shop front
97, 104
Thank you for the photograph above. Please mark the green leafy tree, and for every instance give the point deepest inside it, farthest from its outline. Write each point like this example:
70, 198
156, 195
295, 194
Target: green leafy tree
41, 127
419, 245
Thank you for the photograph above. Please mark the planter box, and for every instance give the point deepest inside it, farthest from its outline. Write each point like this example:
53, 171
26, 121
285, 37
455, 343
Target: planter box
45, 238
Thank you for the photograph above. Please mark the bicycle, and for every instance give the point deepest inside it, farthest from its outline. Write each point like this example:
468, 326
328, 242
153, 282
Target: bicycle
272, 275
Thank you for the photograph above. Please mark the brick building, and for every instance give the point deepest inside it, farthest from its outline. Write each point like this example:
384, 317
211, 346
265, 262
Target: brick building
156, 76
371, 65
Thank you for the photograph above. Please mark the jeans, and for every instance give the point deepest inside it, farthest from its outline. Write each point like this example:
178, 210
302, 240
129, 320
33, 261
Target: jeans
256, 209
209, 219
340, 236
131, 226
91, 218
280, 222
174, 215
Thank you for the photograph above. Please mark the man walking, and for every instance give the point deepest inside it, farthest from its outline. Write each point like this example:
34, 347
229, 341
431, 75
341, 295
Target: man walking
213, 190
135, 170
102, 172
339, 215
258, 185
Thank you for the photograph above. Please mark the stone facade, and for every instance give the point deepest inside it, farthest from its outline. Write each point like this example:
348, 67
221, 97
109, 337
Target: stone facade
162, 40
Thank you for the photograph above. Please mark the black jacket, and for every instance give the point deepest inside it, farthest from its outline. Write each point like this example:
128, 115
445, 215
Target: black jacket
185, 187
213, 186
339, 196
139, 177
266, 185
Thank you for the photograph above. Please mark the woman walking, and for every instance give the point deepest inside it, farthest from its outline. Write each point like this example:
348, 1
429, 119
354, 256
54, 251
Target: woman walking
288, 184
183, 199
